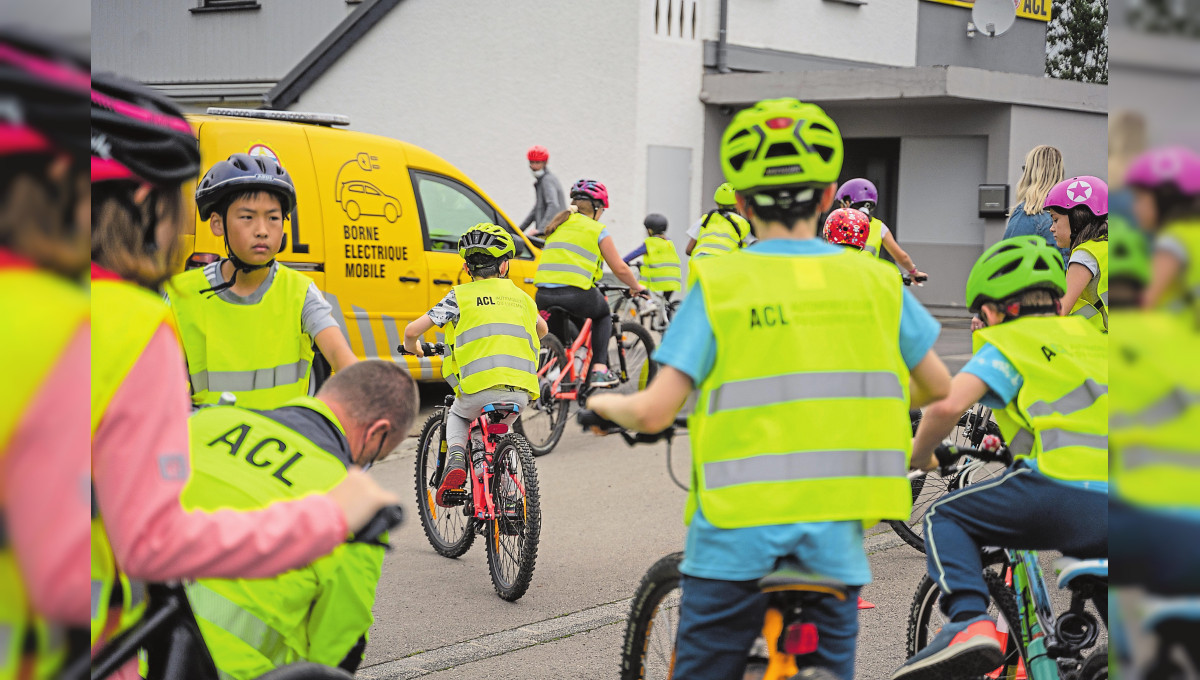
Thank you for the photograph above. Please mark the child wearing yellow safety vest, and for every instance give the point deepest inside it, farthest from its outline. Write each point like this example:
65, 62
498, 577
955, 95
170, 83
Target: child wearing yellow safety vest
1078, 210
248, 323
660, 270
1166, 200
494, 331
788, 342
1046, 377
721, 230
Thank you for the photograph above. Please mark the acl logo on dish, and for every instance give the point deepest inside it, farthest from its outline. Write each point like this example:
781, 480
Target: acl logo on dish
1079, 191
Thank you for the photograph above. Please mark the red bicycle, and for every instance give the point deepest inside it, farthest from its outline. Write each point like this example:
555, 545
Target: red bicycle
501, 502
562, 374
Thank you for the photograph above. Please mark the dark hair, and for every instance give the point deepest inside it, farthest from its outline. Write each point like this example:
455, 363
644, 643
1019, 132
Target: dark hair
226, 203
375, 389
124, 234
786, 205
1085, 225
1172, 204
484, 266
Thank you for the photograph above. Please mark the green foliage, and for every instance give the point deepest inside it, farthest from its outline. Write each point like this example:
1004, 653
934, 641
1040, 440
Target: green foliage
1077, 41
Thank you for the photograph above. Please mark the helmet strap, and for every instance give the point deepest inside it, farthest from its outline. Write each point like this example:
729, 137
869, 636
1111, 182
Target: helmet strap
238, 266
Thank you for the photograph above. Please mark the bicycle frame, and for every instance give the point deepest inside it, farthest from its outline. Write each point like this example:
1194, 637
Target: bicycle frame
583, 340
484, 510
1036, 625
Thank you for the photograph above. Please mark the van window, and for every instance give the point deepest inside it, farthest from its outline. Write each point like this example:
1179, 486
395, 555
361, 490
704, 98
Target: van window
448, 208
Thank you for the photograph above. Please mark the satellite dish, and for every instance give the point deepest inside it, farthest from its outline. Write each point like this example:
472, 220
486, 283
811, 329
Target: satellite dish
993, 17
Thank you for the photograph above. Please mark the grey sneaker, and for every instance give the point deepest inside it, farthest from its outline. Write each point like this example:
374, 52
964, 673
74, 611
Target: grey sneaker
604, 379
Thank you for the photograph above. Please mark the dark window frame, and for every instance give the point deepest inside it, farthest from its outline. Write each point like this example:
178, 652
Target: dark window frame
207, 6
523, 251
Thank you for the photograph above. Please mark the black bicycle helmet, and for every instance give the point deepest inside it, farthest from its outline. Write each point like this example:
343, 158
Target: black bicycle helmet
43, 97
655, 223
141, 131
243, 172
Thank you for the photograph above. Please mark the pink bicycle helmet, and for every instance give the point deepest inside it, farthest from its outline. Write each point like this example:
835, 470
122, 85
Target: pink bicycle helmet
139, 135
537, 153
46, 90
858, 190
1084, 190
591, 189
1167, 166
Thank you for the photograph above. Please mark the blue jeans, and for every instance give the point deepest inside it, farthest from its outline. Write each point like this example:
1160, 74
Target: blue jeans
1022, 510
719, 621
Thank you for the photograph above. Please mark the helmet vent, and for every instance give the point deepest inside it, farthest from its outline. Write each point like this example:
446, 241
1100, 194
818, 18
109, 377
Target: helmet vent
825, 152
781, 149
820, 126
1041, 264
1006, 269
739, 160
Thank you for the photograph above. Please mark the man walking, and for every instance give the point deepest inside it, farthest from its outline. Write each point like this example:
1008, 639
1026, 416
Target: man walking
549, 193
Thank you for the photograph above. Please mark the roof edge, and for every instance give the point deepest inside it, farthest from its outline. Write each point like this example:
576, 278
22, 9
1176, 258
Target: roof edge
327, 52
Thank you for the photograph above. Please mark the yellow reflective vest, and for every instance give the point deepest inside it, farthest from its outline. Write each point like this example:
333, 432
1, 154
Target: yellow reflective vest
1186, 289
494, 343
1095, 310
245, 460
572, 254
722, 232
874, 238
1154, 410
258, 352
125, 317
783, 440
25, 296
661, 270
1060, 414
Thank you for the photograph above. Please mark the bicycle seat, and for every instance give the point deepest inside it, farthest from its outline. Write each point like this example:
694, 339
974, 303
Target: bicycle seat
1070, 568
790, 577
500, 410
1159, 610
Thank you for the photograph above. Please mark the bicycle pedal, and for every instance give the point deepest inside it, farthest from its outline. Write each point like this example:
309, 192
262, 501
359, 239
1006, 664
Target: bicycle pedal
454, 497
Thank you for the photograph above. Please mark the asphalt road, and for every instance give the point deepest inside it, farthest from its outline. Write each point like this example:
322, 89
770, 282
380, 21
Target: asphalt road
609, 511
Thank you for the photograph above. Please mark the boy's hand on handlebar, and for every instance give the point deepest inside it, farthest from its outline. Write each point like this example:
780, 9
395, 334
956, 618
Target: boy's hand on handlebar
360, 497
414, 347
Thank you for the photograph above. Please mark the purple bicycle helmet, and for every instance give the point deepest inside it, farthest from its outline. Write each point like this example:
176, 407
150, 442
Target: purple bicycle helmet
1172, 165
858, 190
591, 189
1084, 190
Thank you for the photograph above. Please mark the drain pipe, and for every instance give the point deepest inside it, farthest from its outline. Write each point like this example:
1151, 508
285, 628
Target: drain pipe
722, 45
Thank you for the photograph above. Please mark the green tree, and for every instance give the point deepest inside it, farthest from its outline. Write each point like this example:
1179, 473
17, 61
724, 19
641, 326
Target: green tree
1077, 41
1165, 17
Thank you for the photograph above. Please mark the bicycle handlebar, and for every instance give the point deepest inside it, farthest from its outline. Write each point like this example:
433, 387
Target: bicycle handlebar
429, 348
588, 419
606, 289
947, 455
388, 518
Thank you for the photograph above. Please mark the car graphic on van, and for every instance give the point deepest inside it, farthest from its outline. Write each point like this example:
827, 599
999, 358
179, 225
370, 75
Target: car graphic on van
359, 197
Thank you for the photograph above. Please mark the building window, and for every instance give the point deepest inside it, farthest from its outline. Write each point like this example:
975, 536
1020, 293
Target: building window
225, 6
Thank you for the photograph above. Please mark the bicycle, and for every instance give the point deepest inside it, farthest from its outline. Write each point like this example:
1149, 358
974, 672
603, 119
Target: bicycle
175, 649
973, 426
507, 513
648, 650
562, 375
654, 312
1038, 643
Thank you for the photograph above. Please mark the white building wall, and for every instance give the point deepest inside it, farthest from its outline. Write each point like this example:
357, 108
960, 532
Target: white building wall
1082, 138
880, 31
479, 82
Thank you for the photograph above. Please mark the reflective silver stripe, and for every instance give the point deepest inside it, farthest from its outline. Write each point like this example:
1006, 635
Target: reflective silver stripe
137, 593
578, 250
566, 268
223, 613
497, 361
1139, 456
1058, 439
452, 381
394, 340
363, 321
871, 249
244, 381
6, 634
715, 246
1022, 443
656, 279
720, 234
797, 386
1087, 311
802, 465
488, 329
3, 531
1104, 298
1076, 400
97, 593
1168, 408
665, 265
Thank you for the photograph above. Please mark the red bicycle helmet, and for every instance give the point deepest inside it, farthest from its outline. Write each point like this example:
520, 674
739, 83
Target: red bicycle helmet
537, 153
847, 227
591, 189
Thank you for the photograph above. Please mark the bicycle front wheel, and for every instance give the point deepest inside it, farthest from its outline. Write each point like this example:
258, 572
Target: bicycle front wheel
637, 346
650, 630
513, 536
449, 530
544, 419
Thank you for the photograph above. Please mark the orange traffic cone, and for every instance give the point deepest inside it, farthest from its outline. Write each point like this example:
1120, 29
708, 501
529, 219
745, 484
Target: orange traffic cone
863, 604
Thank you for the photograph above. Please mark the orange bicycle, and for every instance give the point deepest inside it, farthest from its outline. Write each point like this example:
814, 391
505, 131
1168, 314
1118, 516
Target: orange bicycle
562, 374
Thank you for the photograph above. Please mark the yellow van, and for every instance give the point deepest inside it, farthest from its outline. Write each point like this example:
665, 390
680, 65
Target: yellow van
376, 224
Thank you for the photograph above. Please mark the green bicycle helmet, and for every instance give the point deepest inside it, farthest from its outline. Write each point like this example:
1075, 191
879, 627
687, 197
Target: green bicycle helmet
781, 142
1128, 252
486, 239
725, 195
1014, 266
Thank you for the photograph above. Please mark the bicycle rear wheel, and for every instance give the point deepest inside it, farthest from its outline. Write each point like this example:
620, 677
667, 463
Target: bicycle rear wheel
928, 489
638, 346
449, 531
926, 618
650, 630
544, 419
513, 536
